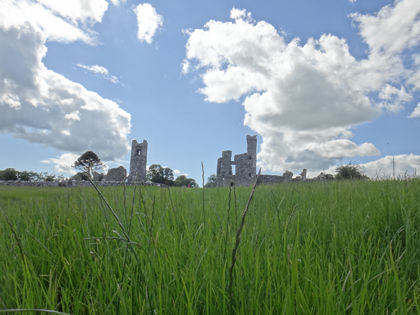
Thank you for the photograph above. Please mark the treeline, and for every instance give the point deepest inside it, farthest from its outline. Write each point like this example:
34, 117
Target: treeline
164, 175
26, 176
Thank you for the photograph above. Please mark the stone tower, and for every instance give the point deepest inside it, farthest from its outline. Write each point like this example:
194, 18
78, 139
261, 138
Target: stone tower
252, 153
245, 165
138, 161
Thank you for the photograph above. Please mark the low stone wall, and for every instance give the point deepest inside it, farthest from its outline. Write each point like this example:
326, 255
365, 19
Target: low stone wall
70, 183
271, 179
28, 184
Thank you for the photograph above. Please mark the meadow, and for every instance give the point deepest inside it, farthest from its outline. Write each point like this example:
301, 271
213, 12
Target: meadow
339, 247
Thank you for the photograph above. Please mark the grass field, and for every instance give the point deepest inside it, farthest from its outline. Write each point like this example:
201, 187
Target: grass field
307, 248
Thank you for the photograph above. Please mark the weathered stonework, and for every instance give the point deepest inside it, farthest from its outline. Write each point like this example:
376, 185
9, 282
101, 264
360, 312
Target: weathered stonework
97, 177
303, 174
118, 174
246, 168
138, 162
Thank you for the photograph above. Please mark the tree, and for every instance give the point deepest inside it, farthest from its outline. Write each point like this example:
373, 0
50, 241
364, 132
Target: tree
50, 178
211, 181
349, 171
29, 176
183, 181
9, 174
79, 176
88, 162
160, 175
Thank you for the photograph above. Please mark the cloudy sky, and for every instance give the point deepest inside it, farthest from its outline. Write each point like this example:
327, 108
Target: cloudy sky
321, 83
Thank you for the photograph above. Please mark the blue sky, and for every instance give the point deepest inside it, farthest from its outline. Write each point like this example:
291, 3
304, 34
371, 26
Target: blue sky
321, 83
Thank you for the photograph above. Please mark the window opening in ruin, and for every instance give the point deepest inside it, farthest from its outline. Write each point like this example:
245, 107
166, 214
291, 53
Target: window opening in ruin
138, 152
249, 174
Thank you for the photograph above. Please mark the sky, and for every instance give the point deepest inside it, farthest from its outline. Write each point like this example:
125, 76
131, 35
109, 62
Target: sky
321, 83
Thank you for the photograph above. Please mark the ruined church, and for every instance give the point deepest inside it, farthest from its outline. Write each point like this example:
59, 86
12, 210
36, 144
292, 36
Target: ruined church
246, 168
245, 165
138, 162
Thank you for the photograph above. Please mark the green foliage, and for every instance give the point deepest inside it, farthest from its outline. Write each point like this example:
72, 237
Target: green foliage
349, 171
183, 181
29, 176
211, 181
50, 178
160, 175
80, 176
9, 174
337, 247
25, 176
88, 162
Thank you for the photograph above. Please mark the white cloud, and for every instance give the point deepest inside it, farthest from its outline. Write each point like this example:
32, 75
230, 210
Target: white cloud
101, 71
148, 22
117, 3
42, 106
84, 11
339, 148
414, 80
179, 173
240, 14
416, 112
404, 165
185, 66
393, 98
393, 29
63, 21
64, 163
302, 98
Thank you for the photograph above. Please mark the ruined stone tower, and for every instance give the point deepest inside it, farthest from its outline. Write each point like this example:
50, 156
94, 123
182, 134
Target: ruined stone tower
224, 169
252, 153
245, 165
138, 161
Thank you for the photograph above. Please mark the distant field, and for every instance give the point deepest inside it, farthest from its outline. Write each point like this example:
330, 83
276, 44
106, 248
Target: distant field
306, 248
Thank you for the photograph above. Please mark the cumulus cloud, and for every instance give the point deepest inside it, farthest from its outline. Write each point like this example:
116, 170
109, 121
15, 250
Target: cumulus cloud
393, 29
81, 11
63, 21
179, 173
416, 112
117, 3
101, 71
302, 98
148, 22
64, 163
42, 106
404, 165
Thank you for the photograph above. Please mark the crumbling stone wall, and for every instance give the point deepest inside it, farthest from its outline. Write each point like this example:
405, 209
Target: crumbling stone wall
270, 179
118, 174
245, 166
138, 161
252, 154
286, 177
224, 169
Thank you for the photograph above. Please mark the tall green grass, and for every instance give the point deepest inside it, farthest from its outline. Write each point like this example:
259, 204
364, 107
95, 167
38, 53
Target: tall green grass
307, 248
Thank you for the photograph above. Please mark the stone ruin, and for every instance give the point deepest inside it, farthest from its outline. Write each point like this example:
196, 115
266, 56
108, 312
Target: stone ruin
246, 168
118, 174
138, 162
114, 176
